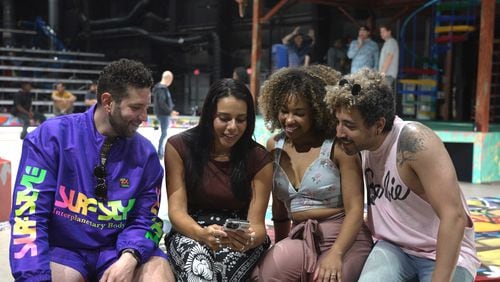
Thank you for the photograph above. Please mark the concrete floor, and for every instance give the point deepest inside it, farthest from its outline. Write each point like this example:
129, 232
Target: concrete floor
10, 149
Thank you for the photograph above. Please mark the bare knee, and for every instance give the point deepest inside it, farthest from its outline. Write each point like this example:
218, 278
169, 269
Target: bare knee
156, 269
64, 273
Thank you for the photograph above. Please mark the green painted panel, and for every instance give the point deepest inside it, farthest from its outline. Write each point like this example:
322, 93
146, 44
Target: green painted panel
490, 171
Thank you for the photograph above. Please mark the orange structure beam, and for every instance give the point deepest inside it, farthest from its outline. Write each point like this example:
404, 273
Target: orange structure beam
485, 56
273, 11
256, 49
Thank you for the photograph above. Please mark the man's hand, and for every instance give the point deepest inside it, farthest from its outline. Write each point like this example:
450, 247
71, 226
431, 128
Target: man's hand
361, 40
121, 270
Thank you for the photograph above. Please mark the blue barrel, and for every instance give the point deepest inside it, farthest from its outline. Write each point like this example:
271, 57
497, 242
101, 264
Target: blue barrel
280, 56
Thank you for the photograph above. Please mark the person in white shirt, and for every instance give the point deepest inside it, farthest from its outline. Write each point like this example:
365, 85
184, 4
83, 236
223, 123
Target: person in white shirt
389, 56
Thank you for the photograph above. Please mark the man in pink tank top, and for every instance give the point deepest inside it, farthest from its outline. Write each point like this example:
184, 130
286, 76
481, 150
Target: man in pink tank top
416, 210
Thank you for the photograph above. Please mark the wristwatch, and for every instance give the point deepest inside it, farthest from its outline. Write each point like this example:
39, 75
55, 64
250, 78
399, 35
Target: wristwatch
133, 252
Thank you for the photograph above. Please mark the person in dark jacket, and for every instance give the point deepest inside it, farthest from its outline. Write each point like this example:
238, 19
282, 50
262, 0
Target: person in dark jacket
163, 107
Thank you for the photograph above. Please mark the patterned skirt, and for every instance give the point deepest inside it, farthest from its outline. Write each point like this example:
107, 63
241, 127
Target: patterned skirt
194, 261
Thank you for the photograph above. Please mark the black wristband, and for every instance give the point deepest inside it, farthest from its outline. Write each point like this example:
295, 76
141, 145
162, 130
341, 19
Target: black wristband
133, 253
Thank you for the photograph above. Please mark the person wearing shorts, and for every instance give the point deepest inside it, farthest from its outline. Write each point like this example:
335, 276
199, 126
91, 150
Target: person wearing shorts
86, 197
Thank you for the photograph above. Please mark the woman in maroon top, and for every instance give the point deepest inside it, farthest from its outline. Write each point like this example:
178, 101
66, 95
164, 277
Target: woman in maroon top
216, 171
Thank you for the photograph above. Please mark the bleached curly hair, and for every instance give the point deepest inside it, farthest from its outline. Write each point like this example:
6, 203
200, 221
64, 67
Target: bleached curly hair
367, 91
306, 82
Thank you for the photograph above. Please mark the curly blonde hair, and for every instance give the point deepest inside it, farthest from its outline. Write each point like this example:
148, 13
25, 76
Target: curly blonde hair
367, 91
306, 82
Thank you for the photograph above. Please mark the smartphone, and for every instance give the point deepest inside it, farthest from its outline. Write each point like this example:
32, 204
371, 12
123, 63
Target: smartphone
236, 224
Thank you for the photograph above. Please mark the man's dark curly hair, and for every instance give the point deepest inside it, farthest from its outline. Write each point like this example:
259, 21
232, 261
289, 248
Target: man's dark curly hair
306, 82
120, 74
367, 91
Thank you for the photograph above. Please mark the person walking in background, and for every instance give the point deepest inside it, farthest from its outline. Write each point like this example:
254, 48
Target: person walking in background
299, 47
86, 196
22, 108
91, 95
63, 100
163, 107
318, 189
416, 210
389, 56
363, 51
215, 171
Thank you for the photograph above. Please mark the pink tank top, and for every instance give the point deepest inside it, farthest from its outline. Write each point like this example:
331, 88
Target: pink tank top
396, 214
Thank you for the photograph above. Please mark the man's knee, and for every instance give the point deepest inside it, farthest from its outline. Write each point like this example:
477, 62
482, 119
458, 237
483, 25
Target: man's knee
64, 273
155, 269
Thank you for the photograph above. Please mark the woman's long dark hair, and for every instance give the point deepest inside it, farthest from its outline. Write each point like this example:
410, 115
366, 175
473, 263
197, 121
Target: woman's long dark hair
200, 139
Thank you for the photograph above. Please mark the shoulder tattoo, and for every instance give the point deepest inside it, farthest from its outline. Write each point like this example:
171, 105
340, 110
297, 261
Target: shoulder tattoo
411, 141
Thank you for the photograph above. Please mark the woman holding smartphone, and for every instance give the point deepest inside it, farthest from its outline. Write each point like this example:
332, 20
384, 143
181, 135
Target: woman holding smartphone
215, 171
317, 189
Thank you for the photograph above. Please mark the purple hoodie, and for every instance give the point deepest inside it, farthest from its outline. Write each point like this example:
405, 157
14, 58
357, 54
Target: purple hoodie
54, 203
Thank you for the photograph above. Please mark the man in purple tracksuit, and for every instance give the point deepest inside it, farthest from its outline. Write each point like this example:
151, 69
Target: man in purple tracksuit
86, 196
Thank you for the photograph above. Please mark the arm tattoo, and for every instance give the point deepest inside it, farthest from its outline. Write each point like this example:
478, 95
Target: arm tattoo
411, 141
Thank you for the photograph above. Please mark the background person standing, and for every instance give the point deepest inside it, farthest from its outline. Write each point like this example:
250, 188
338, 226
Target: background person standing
336, 57
299, 47
363, 51
163, 107
389, 56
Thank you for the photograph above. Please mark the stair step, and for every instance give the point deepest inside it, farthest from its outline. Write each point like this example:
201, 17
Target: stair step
44, 69
441, 49
450, 38
428, 61
48, 80
419, 71
416, 103
50, 52
454, 28
424, 82
454, 5
450, 18
418, 92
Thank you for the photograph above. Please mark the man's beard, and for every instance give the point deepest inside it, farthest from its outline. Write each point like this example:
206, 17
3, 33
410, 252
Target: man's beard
117, 123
